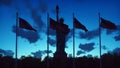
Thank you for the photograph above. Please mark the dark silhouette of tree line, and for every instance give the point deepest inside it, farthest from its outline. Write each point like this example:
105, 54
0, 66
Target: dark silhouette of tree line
108, 61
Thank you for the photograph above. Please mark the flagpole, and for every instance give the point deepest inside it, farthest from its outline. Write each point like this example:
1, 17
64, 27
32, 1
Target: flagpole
47, 40
100, 41
73, 43
57, 11
16, 46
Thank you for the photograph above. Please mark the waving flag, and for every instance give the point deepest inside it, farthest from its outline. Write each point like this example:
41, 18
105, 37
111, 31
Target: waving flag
107, 24
24, 24
78, 25
53, 24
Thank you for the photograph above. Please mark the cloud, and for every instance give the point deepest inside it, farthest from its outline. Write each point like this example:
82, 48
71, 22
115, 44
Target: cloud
95, 33
117, 38
31, 36
90, 34
89, 56
43, 6
104, 47
70, 35
36, 9
6, 2
87, 47
7, 52
52, 42
108, 32
38, 21
46, 51
116, 50
40, 5
39, 53
80, 52
51, 32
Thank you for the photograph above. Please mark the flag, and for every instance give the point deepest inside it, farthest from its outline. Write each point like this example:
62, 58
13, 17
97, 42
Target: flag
107, 24
24, 24
78, 25
59, 26
53, 24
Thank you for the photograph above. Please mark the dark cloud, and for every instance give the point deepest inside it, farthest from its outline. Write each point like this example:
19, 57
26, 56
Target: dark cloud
46, 51
80, 52
87, 47
31, 36
39, 53
108, 32
38, 21
116, 50
117, 38
52, 42
6, 52
70, 35
95, 33
52, 32
89, 56
104, 47
90, 34
53, 11
41, 5
36, 11
6, 2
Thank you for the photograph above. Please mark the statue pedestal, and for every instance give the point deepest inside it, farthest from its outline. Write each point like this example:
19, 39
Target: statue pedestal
60, 55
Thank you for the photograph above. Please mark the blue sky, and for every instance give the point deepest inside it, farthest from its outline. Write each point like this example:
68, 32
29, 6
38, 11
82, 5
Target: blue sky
35, 12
